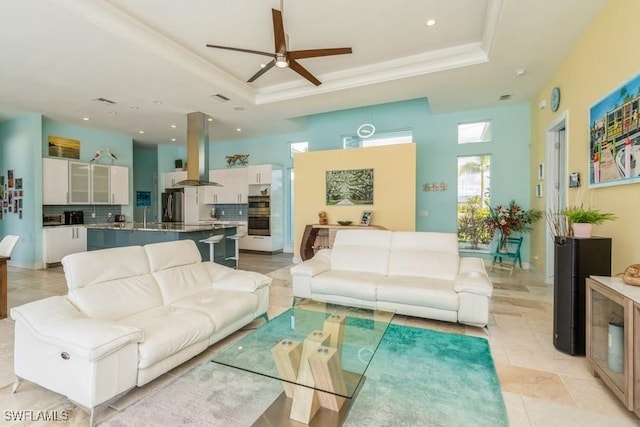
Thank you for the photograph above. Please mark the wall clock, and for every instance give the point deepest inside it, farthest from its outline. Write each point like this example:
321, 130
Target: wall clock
555, 98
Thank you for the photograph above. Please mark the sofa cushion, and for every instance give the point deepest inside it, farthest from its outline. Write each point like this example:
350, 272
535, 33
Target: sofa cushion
172, 254
179, 282
87, 268
110, 284
419, 291
424, 254
361, 250
168, 330
223, 307
352, 284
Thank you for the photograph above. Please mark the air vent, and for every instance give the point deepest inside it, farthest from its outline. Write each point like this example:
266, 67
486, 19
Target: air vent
220, 97
105, 100
505, 97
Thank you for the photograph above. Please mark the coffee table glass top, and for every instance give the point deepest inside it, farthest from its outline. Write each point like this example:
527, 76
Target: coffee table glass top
332, 340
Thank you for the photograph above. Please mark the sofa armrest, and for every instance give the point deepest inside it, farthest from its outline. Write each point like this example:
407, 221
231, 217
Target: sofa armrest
474, 283
320, 262
56, 321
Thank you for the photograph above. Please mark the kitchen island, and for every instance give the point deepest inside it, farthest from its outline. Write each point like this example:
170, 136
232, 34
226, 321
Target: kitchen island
112, 235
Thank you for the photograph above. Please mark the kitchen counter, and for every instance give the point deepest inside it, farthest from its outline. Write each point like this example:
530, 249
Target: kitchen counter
113, 235
160, 226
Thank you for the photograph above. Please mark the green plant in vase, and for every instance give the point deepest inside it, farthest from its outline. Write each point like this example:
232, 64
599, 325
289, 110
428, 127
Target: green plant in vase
508, 219
581, 219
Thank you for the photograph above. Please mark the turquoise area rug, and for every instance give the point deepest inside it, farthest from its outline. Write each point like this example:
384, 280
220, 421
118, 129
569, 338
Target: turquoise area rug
418, 377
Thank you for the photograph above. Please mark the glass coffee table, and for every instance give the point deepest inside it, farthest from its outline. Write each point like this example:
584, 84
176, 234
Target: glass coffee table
319, 351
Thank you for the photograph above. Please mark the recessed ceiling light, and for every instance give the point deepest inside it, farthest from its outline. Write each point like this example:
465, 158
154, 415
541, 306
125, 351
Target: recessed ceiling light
431, 22
238, 108
505, 97
521, 72
210, 119
135, 108
238, 129
263, 65
173, 126
173, 139
157, 102
140, 131
86, 119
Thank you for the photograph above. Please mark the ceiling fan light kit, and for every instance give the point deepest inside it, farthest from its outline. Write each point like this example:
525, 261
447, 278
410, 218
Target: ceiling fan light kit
282, 58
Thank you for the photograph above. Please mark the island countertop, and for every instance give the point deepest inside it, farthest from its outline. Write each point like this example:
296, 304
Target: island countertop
159, 226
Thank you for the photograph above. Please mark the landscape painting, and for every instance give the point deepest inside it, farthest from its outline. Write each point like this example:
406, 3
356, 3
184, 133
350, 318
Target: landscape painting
349, 187
614, 156
64, 147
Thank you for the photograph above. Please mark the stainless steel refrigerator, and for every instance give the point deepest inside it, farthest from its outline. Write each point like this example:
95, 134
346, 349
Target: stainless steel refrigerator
173, 205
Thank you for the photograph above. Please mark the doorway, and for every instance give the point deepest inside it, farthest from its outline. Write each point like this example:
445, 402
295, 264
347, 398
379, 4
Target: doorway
556, 182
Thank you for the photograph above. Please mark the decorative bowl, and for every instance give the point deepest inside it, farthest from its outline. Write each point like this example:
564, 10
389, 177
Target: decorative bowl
342, 222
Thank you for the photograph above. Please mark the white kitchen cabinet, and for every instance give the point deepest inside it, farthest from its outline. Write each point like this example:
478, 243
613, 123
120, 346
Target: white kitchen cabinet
191, 208
55, 181
100, 194
259, 174
257, 243
119, 185
79, 183
61, 241
234, 187
171, 179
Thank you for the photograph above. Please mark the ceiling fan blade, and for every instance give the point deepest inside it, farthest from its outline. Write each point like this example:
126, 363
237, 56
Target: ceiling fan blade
237, 49
278, 31
295, 66
262, 70
312, 53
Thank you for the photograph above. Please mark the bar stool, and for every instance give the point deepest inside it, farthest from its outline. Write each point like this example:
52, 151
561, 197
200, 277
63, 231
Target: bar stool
212, 240
236, 237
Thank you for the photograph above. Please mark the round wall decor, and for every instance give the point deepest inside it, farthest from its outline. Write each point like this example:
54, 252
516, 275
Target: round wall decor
366, 130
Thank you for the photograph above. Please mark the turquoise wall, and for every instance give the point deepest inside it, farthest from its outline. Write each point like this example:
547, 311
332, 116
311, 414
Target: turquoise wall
437, 151
23, 143
145, 174
19, 140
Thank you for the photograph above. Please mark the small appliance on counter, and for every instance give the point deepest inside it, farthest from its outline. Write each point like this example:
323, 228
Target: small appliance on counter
49, 220
120, 218
73, 217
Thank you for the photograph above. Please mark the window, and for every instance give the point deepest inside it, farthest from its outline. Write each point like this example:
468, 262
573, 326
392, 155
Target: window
474, 194
381, 138
474, 132
298, 147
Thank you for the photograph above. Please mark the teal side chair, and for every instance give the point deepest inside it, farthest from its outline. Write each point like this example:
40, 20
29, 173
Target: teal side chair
512, 253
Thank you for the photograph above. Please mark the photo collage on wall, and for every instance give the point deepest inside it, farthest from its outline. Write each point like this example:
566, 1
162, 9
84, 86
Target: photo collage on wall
11, 194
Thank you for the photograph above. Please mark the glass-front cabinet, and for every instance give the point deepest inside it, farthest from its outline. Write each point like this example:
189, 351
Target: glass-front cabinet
100, 185
610, 334
79, 179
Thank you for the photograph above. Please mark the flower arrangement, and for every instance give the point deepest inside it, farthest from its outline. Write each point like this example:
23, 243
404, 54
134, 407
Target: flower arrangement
508, 219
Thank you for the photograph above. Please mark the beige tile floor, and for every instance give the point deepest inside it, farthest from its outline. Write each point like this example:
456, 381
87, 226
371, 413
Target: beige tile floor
541, 386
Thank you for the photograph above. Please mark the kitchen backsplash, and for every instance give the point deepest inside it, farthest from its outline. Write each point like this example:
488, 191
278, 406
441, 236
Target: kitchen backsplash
101, 211
232, 212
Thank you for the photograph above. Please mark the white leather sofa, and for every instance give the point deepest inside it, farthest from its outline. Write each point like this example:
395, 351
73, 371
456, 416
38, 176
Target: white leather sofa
131, 314
413, 273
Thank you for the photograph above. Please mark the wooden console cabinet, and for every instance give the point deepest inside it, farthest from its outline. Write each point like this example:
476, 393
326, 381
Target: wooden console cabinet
316, 237
613, 336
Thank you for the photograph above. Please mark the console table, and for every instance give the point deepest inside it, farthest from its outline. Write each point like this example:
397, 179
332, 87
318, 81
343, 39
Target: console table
317, 236
613, 336
3, 286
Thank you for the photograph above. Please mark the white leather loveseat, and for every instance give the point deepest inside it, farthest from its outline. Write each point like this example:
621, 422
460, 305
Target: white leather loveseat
131, 314
413, 273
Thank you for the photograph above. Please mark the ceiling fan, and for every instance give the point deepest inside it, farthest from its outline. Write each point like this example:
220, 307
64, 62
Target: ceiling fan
283, 58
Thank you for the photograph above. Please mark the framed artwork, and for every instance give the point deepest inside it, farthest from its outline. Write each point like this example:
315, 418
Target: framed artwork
18, 183
614, 148
349, 187
10, 178
365, 218
64, 147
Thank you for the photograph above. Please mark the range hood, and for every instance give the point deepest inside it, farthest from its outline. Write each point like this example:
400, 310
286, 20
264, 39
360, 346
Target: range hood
197, 151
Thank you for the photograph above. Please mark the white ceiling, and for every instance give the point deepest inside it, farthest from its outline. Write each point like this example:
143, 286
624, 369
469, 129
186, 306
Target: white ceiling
149, 56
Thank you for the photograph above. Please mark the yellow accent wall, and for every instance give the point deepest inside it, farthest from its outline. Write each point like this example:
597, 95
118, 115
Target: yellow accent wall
394, 187
604, 58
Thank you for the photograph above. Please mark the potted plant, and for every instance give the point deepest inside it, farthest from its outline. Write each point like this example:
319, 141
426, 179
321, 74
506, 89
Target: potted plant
581, 219
508, 219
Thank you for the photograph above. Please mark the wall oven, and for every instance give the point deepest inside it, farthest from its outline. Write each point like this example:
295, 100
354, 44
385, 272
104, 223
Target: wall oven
259, 225
259, 205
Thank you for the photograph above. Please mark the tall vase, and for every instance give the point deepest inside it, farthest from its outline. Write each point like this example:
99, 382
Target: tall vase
502, 243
